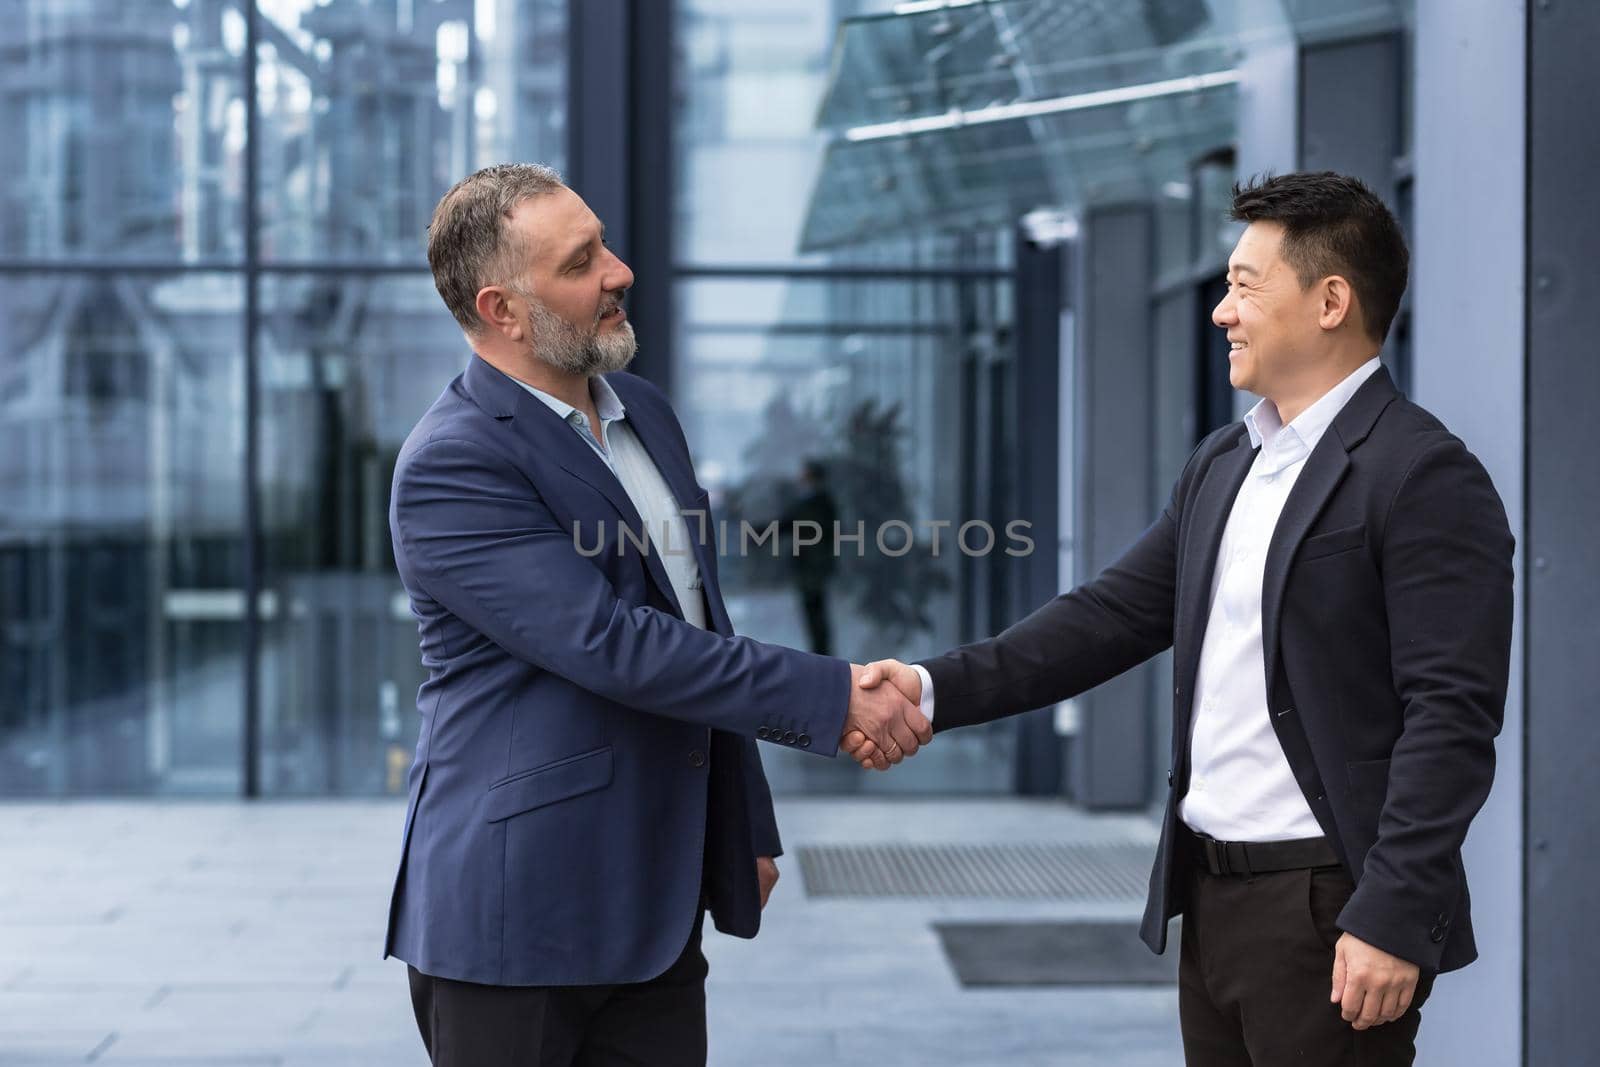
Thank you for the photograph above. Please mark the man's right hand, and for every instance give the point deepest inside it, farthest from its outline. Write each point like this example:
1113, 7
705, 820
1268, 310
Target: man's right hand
888, 725
861, 746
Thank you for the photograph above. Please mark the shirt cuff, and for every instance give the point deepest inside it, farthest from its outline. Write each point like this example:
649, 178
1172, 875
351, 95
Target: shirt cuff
926, 705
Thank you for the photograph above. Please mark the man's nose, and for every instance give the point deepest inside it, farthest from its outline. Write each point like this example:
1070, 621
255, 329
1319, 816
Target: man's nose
618, 275
1223, 314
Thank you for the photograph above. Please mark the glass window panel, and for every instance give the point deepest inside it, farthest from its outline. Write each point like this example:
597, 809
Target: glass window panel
870, 378
348, 365
751, 78
124, 129
369, 112
121, 404
1213, 189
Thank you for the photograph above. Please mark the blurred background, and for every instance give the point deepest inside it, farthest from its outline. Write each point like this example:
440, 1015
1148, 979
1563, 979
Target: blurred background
933, 260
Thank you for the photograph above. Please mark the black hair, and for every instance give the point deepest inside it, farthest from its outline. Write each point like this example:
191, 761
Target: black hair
1334, 224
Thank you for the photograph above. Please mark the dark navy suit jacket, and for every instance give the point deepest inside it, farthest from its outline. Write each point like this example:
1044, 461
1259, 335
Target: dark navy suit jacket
1386, 631
587, 765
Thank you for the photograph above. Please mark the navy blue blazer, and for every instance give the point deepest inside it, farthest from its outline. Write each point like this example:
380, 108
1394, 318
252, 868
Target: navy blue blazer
1386, 611
587, 765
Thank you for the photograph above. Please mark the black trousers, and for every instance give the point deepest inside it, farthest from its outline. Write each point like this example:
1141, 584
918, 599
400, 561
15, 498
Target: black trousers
659, 1023
1256, 971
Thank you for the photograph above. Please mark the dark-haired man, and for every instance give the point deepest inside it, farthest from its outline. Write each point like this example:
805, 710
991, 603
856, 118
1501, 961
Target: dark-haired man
1334, 576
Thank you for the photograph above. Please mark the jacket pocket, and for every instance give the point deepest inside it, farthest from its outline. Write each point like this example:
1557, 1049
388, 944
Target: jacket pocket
561, 780
1329, 889
1333, 542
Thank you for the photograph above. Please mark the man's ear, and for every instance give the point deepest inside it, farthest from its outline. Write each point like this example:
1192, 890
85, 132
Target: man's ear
1338, 303
496, 308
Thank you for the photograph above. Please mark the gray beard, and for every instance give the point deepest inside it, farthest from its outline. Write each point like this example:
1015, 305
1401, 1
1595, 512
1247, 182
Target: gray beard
560, 344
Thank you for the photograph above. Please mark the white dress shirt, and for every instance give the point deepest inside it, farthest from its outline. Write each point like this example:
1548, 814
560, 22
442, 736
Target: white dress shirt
1241, 787
658, 509
927, 690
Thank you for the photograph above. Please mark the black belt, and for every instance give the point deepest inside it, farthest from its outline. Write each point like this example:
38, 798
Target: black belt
1258, 857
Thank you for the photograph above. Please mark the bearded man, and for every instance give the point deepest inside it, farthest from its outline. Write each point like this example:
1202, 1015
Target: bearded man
586, 783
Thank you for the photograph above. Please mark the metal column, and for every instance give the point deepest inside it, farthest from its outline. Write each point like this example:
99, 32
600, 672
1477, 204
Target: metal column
1041, 275
1467, 276
1562, 952
619, 152
1111, 757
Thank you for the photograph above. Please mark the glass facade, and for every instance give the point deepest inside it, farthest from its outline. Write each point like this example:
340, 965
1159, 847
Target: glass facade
882, 384
217, 326
348, 363
885, 362
120, 529
124, 125
366, 107
132, 310
752, 79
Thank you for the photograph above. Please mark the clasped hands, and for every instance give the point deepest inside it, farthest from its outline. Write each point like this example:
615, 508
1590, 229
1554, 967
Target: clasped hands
885, 723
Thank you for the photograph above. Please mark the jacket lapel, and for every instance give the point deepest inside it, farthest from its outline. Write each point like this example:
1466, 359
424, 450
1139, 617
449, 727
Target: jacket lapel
660, 440
1201, 536
503, 398
1325, 468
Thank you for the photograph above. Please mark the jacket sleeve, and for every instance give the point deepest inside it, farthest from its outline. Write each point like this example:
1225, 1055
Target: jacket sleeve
1447, 574
482, 543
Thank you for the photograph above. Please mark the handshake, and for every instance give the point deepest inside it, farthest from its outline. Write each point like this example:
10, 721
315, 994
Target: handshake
884, 723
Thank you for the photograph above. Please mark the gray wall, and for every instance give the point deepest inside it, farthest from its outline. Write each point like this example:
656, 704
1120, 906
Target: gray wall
1267, 137
1268, 133
1110, 766
1350, 102
1175, 315
1467, 288
1563, 743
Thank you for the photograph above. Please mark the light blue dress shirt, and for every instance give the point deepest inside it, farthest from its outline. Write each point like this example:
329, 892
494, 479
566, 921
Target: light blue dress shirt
621, 451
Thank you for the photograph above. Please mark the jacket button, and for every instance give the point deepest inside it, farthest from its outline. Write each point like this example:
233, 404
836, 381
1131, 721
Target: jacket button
804, 741
1437, 934
763, 733
788, 737
1170, 779
697, 758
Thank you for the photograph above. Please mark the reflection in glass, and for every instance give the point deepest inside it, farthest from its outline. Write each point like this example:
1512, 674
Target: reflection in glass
348, 365
751, 78
885, 386
121, 405
369, 112
121, 563
124, 129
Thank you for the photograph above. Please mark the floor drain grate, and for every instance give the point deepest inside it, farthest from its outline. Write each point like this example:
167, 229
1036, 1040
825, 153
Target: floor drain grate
1041, 871
1053, 954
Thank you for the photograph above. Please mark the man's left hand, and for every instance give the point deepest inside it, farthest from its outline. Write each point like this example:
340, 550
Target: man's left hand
1373, 986
767, 875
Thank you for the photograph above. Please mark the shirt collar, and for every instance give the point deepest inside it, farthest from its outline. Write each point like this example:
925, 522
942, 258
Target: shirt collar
607, 404
1264, 424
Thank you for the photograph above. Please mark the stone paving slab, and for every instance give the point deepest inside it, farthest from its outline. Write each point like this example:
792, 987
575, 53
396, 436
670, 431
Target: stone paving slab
225, 934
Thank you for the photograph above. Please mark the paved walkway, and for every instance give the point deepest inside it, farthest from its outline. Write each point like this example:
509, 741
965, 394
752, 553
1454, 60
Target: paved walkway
248, 935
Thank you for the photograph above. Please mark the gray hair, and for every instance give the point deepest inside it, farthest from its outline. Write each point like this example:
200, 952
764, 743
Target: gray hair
469, 246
